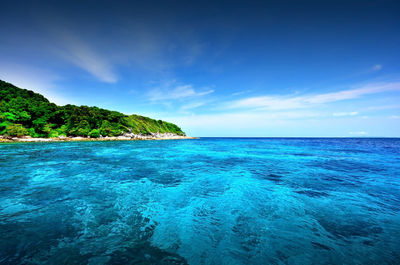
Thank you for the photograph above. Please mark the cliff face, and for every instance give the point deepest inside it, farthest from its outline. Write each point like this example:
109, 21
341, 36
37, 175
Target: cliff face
26, 113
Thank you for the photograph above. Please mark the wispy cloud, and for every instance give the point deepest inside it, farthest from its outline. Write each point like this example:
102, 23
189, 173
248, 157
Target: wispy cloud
384, 107
193, 105
85, 57
354, 93
141, 44
249, 123
297, 102
267, 102
176, 93
369, 70
240, 93
342, 114
377, 67
360, 133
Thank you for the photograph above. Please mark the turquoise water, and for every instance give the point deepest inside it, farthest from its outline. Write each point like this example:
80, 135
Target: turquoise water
206, 201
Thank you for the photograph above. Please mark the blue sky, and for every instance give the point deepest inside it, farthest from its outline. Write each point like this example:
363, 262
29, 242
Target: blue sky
216, 68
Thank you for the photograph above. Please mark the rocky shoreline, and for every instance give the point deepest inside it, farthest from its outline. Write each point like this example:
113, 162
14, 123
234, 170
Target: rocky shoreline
124, 137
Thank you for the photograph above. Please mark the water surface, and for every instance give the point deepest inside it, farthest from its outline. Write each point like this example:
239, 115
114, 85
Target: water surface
206, 201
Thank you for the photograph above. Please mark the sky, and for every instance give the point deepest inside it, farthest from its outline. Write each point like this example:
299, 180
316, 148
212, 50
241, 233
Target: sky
215, 68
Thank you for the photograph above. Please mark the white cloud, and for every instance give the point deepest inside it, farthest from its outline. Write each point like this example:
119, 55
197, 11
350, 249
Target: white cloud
354, 93
305, 101
266, 123
85, 57
360, 133
240, 93
242, 120
342, 114
377, 67
192, 105
176, 93
370, 70
267, 102
385, 107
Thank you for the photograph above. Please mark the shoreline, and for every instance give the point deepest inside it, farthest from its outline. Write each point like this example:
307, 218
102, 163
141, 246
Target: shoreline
135, 137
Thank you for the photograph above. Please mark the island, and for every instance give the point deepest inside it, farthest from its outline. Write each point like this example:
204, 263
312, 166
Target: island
26, 116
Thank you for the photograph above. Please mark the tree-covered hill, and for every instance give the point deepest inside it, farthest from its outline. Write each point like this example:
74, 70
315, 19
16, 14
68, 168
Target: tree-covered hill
24, 112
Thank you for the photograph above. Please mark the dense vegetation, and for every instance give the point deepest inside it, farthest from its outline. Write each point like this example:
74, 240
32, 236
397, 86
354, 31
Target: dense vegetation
23, 112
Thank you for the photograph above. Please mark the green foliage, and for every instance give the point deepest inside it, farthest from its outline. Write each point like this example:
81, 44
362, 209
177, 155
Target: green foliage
7, 116
95, 133
31, 132
53, 134
23, 112
4, 125
145, 125
16, 130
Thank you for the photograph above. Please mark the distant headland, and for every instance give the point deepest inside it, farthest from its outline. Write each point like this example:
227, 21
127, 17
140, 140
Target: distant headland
26, 116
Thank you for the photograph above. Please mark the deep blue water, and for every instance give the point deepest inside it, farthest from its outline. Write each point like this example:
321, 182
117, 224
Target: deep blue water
206, 201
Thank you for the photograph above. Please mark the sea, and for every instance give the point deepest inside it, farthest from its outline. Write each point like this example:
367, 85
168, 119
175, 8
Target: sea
201, 201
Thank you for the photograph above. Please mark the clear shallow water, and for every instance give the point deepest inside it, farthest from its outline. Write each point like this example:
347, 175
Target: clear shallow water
207, 201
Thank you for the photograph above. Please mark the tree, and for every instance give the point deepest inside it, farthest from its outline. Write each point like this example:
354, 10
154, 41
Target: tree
95, 133
7, 116
16, 130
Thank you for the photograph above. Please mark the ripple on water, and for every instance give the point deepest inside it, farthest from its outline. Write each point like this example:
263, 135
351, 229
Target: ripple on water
209, 201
